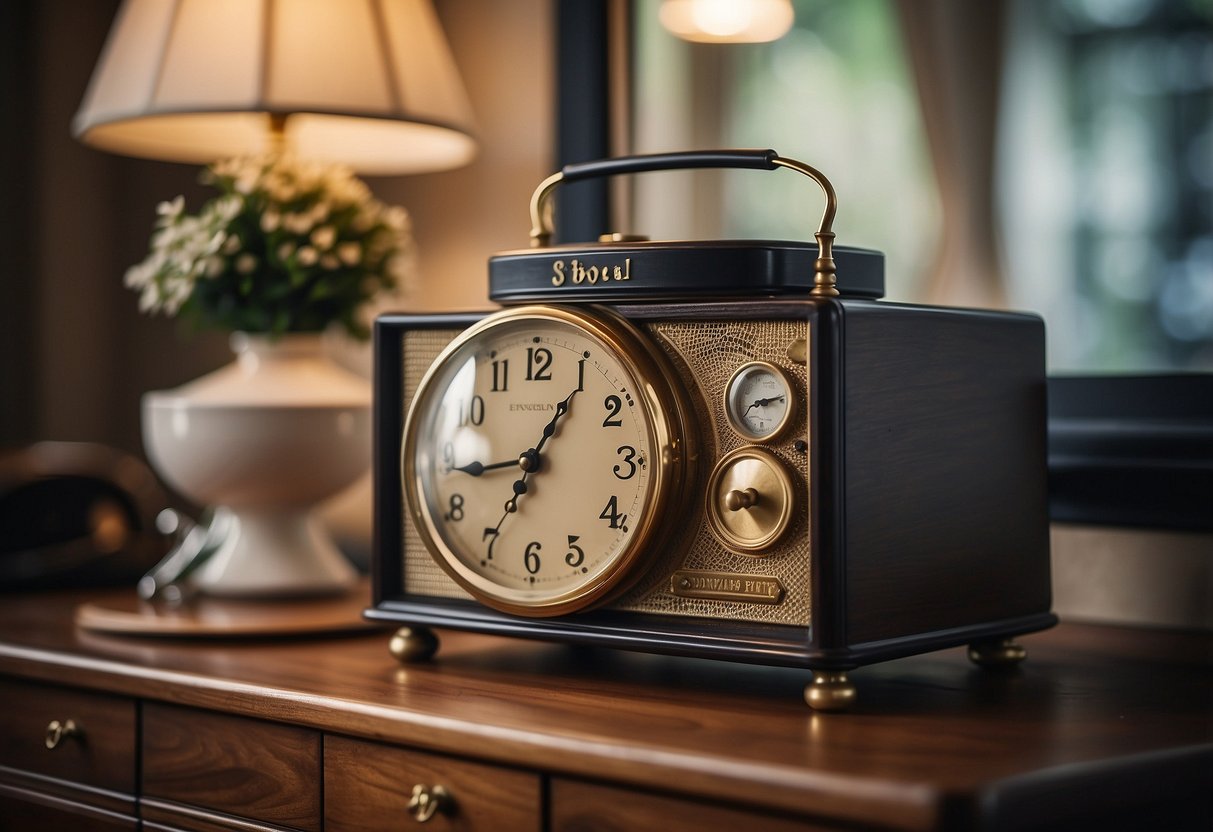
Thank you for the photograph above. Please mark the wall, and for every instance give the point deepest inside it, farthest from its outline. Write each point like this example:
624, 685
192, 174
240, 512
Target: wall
505, 52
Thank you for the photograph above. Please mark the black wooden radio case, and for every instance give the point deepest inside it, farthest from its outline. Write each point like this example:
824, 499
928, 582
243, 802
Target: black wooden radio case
726, 449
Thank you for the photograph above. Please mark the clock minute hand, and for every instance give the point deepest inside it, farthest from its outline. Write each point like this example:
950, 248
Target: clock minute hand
528, 461
550, 428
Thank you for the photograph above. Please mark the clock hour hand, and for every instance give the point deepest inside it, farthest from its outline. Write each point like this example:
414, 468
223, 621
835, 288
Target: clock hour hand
529, 458
475, 468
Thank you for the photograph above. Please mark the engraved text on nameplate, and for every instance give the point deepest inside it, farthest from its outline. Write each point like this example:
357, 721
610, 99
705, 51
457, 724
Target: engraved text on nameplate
726, 586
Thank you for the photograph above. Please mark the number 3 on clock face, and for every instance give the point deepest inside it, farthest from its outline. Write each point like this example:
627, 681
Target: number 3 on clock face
541, 454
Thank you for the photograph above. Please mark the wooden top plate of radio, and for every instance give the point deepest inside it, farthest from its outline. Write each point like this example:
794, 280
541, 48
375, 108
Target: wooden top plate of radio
683, 270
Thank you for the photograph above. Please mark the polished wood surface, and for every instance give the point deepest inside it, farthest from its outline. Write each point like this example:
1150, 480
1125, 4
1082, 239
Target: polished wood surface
931, 740
99, 752
88, 779
589, 807
231, 764
22, 811
366, 784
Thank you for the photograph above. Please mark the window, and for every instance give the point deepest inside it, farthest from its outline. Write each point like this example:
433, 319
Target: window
1104, 157
1107, 179
834, 92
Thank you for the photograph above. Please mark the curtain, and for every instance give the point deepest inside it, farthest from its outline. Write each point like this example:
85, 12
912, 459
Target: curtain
955, 49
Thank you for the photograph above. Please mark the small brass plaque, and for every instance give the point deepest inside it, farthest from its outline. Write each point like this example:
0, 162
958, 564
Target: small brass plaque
726, 586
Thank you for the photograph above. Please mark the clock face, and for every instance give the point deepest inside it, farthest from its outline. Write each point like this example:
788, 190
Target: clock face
759, 401
538, 453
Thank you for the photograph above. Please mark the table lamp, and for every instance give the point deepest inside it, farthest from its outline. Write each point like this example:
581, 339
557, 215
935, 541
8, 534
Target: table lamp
367, 84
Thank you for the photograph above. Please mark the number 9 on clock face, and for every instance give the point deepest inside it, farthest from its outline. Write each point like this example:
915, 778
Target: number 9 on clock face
541, 454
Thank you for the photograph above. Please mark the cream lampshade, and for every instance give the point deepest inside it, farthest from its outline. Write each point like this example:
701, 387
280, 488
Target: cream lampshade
367, 83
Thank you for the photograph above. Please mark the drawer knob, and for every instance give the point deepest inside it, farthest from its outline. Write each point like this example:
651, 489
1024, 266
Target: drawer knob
57, 732
427, 800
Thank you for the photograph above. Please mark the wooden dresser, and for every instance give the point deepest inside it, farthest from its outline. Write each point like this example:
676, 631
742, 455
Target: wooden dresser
1101, 725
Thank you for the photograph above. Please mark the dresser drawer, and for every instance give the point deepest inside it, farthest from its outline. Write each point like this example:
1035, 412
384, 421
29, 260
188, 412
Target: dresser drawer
232, 765
368, 786
92, 734
587, 807
37, 812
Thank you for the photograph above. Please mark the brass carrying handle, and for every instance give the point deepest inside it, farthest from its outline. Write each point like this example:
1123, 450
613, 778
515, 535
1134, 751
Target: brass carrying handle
824, 271
427, 801
57, 732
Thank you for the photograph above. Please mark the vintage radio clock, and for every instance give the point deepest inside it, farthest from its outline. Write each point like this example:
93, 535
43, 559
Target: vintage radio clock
726, 449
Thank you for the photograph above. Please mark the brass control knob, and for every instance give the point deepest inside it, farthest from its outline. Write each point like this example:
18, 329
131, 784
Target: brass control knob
57, 732
426, 801
737, 500
750, 501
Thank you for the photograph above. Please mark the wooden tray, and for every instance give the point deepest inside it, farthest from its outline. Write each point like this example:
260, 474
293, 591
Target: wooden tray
205, 617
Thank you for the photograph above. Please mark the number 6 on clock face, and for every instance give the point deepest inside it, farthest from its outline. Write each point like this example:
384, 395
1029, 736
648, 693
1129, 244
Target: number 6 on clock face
543, 450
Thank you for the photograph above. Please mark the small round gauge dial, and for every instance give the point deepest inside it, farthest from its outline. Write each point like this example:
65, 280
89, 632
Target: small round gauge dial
759, 401
540, 455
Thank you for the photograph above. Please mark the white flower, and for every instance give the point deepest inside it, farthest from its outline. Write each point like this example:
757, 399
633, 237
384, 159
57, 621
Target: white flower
246, 181
137, 276
324, 237
395, 218
171, 210
282, 192
148, 299
297, 223
283, 219
320, 212
225, 209
215, 243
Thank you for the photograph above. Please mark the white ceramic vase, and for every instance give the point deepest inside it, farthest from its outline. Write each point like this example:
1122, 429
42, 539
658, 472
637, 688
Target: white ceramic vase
265, 439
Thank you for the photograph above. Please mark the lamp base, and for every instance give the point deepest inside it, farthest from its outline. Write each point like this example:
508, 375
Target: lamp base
279, 553
265, 439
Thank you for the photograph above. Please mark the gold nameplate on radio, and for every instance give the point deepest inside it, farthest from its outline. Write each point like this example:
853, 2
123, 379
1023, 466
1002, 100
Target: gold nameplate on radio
726, 586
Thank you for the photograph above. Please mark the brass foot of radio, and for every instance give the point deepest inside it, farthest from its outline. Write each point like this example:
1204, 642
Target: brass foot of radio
997, 653
829, 691
413, 644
